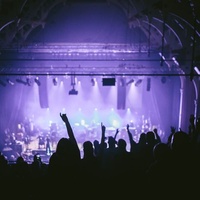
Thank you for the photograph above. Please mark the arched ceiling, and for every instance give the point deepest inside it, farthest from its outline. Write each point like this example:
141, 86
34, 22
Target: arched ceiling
171, 26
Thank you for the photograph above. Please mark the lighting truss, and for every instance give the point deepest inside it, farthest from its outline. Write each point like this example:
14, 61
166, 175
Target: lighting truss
83, 59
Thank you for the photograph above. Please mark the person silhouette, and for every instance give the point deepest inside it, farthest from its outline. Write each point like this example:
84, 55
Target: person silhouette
64, 163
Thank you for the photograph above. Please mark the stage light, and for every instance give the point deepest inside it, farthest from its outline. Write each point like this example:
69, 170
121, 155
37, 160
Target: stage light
28, 81
37, 81
175, 61
122, 82
129, 82
73, 83
162, 59
93, 81
138, 82
9, 81
197, 70
55, 81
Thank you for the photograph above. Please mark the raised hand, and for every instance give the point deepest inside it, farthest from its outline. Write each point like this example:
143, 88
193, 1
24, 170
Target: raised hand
70, 133
116, 133
64, 117
127, 127
103, 128
132, 142
68, 126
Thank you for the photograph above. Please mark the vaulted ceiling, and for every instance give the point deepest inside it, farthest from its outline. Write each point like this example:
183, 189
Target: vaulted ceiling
172, 29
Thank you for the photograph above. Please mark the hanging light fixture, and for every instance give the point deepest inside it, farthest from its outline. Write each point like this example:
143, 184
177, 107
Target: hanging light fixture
9, 81
73, 91
28, 81
138, 82
129, 82
55, 81
93, 81
37, 81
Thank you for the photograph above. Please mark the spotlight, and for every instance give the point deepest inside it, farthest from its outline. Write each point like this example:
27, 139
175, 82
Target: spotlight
122, 82
129, 82
28, 81
55, 81
9, 81
175, 61
37, 81
138, 82
197, 70
162, 59
73, 83
93, 81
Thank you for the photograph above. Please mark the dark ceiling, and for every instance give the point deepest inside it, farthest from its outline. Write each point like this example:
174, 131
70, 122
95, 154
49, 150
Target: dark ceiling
171, 27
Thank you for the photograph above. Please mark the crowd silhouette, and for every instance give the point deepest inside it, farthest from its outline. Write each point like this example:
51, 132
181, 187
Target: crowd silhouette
150, 169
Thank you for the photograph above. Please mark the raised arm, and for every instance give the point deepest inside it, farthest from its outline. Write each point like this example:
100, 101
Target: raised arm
116, 133
132, 142
155, 130
103, 131
69, 129
102, 143
68, 126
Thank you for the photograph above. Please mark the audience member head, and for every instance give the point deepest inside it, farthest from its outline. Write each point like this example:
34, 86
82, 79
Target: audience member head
88, 149
122, 144
64, 146
111, 142
150, 137
96, 143
142, 138
161, 151
180, 141
20, 160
